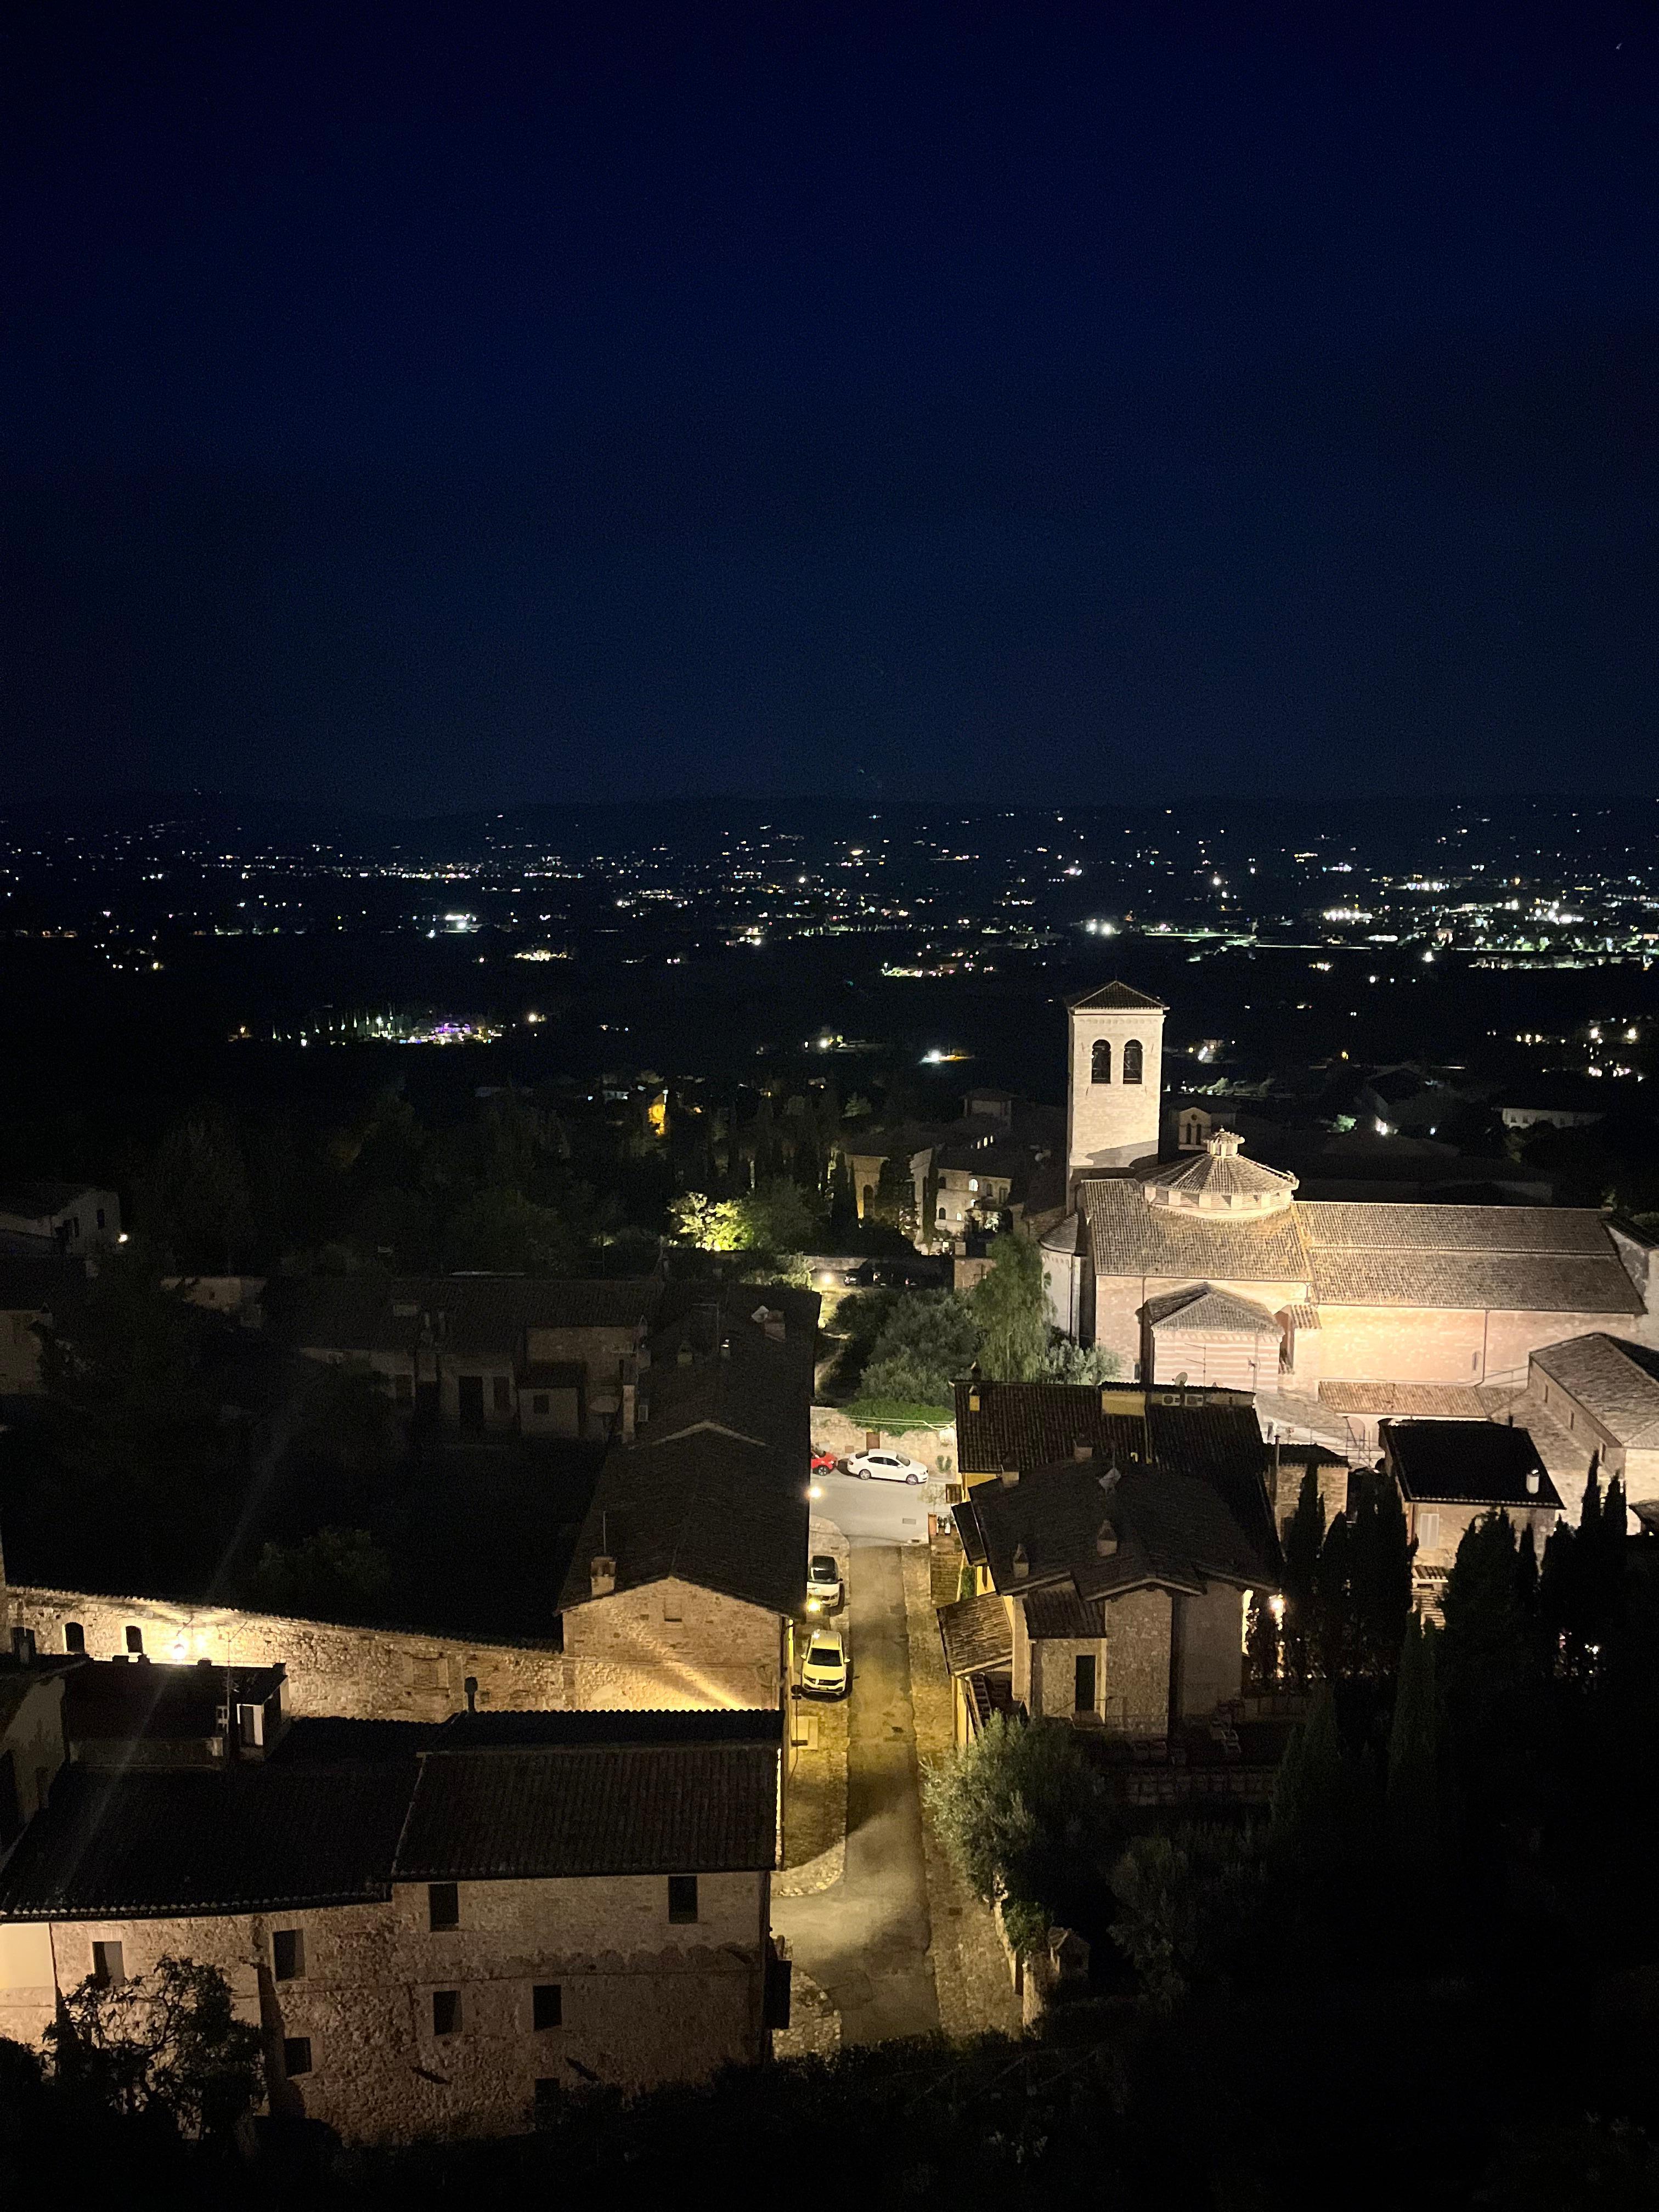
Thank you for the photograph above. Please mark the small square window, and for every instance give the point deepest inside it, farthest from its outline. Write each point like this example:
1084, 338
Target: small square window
296, 2055
446, 2012
109, 1967
539, 1405
288, 1954
682, 1899
547, 2000
74, 1637
135, 1638
443, 1904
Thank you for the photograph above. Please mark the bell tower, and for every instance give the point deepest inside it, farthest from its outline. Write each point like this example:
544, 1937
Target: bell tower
1114, 1086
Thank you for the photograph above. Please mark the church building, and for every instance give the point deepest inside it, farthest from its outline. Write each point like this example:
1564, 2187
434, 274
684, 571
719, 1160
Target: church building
1211, 1270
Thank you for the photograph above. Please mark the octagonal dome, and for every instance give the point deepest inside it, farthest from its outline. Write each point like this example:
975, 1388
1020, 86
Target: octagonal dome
1220, 1182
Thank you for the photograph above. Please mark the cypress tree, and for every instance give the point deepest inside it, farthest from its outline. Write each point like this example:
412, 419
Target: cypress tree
1380, 1576
1305, 1538
1332, 1600
1311, 1794
1413, 1789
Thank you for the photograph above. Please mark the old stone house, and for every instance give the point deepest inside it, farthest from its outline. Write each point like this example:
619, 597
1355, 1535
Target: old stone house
1402, 1295
437, 1932
1121, 1595
1450, 1474
1112, 1534
484, 1354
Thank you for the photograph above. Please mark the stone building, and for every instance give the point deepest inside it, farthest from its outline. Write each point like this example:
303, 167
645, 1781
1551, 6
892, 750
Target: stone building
1209, 1266
1112, 1534
71, 1220
703, 1517
484, 1354
1450, 1474
437, 1932
1596, 1397
1121, 1595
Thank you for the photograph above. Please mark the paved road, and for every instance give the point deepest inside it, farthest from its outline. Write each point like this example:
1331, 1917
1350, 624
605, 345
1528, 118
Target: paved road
889, 1511
865, 1941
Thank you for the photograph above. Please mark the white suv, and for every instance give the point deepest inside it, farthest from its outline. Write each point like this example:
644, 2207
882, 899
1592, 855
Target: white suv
823, 1670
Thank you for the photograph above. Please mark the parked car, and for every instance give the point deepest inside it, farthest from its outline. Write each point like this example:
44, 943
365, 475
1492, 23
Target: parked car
886, 1466
822, 1583
824, 1463
823, 1670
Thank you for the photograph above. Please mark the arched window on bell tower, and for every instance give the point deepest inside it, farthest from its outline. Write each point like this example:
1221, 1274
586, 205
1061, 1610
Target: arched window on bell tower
1100, 1060
1132, 1060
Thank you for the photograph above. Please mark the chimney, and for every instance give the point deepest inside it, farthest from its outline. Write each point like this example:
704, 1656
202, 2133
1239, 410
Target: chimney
1008, 1476
602, 1574
1105, 1540
1082, 1450
775, 1327
685, 1355
1532, 1482
630, 1393
1111, 1479
1021, 1563
972, 1398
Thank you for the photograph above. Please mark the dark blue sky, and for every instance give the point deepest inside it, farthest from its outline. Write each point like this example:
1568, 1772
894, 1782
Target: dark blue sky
431, 406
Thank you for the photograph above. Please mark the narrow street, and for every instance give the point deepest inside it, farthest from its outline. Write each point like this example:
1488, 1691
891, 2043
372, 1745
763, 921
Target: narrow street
865, 1941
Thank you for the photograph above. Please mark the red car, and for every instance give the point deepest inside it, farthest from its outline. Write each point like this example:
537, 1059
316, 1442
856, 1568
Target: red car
824, 1463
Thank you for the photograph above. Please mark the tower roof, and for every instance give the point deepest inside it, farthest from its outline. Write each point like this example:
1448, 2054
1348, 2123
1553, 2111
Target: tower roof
1116, 998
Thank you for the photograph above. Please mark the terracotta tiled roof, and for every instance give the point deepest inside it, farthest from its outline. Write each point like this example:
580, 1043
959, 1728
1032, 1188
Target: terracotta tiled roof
1216, 1174
1171, 1530
1129, 1237
1616, 1382
1209, 1310
116, 1842
1116, 998
1507, 1258
977, 1633
1451, 1402
559, 1811
1505, 1282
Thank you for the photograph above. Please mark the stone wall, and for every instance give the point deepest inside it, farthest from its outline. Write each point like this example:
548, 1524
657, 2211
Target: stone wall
643, 2001
725, 1655
1138, 1628
1053, 1674
1209, 1669
674, 1643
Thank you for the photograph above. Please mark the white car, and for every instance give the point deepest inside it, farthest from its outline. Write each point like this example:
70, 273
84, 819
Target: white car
822, 1583
886, 1466
823, 1670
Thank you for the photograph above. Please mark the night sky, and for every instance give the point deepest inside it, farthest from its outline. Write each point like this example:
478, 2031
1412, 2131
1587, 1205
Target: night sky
423, 407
